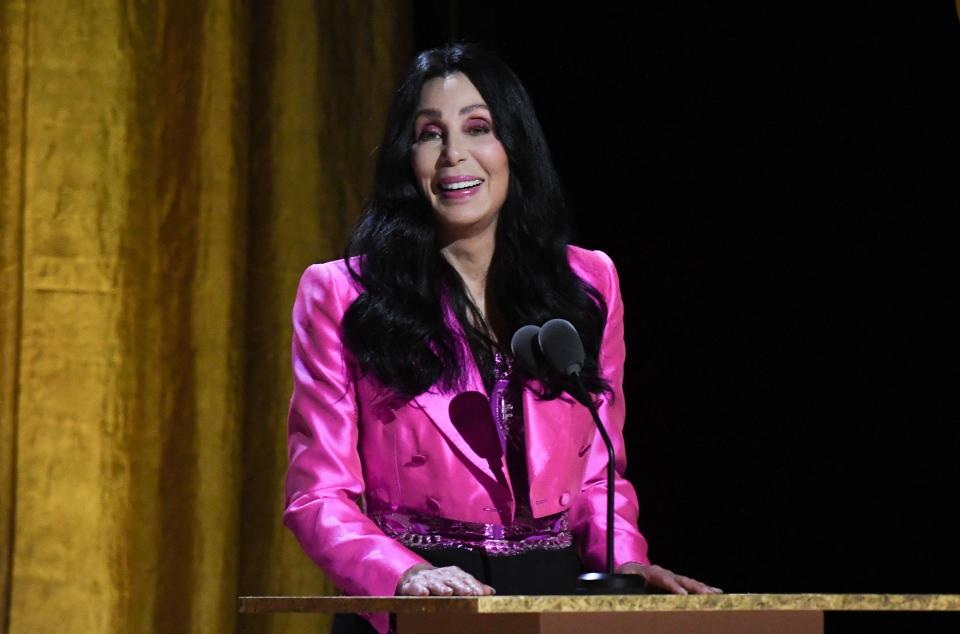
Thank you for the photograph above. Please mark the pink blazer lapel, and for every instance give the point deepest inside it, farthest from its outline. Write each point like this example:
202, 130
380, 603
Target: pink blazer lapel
466, 418
466, 421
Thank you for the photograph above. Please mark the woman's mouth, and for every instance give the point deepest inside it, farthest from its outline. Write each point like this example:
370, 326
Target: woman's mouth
463, 189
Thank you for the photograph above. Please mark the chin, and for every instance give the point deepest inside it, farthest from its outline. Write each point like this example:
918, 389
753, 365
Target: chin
464, 228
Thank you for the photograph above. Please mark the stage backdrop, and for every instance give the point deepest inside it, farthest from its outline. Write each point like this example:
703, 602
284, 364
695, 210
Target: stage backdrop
168, 169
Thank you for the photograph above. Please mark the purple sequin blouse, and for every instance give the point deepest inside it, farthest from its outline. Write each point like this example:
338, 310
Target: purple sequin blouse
526, 533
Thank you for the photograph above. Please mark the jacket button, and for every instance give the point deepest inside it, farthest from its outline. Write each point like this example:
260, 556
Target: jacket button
433, 504
564, 499
418, 459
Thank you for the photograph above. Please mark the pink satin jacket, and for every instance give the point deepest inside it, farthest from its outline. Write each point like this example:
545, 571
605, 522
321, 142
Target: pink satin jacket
354, 444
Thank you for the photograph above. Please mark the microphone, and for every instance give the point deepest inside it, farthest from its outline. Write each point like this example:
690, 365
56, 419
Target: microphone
559, 344
526, 350
558, 338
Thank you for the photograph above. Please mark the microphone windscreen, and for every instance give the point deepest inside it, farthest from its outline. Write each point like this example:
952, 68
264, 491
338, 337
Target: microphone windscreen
561, 346
525, 349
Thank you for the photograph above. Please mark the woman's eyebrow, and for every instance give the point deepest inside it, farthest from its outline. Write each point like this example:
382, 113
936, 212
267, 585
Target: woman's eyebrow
433, 112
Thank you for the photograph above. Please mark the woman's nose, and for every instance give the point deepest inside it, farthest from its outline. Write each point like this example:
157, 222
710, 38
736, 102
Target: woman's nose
453, 151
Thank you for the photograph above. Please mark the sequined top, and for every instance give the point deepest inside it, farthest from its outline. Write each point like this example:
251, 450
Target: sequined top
526, 533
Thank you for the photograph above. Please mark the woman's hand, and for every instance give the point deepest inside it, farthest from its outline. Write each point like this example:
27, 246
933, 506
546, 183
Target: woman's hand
423, 580
660, 579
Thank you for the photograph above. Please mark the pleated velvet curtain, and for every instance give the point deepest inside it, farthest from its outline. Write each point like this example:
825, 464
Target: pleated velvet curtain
168, 169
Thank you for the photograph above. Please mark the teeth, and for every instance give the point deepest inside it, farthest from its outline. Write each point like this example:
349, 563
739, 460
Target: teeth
462, 185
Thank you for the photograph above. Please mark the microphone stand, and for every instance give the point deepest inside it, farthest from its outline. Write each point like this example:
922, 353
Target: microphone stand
557, 345
608, 582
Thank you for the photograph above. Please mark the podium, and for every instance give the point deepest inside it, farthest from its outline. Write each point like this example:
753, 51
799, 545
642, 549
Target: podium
610, 614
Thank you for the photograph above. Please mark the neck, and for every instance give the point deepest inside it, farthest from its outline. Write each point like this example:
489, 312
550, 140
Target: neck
470, 256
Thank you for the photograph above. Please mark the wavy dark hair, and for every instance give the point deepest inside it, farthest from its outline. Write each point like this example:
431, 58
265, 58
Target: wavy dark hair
396, 328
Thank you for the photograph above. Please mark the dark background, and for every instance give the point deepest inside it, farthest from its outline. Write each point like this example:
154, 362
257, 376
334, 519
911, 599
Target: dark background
777, 185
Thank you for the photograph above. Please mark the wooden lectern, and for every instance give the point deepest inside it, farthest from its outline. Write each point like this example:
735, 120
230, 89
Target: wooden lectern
610, 614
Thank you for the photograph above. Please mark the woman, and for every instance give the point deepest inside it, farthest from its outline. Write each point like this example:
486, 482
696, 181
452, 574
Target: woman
421, 461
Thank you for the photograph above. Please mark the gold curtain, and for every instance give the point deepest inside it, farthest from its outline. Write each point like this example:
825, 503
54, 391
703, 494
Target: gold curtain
168, 169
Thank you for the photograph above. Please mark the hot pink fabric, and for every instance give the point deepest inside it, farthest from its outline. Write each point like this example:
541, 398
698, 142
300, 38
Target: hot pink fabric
353, 442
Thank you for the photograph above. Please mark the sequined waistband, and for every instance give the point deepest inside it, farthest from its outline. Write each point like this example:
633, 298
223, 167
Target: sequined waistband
429, 532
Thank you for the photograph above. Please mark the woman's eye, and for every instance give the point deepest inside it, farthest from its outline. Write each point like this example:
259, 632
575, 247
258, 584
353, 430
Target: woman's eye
426, 135
429, 134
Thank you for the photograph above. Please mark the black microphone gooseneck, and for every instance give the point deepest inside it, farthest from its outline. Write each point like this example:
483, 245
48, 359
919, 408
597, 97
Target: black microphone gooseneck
557, 344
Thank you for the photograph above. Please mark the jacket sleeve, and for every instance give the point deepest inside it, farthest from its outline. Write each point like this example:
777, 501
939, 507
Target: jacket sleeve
588, 511
324, 481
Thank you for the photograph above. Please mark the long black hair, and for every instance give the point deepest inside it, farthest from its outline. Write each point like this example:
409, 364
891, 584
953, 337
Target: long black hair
396, 328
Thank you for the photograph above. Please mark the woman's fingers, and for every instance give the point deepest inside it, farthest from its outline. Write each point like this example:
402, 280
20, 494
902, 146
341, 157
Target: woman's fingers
414, 589
670, 583
660, 578
446, 581
439, 587
467, 584
463, 587
664, 579
698, 587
